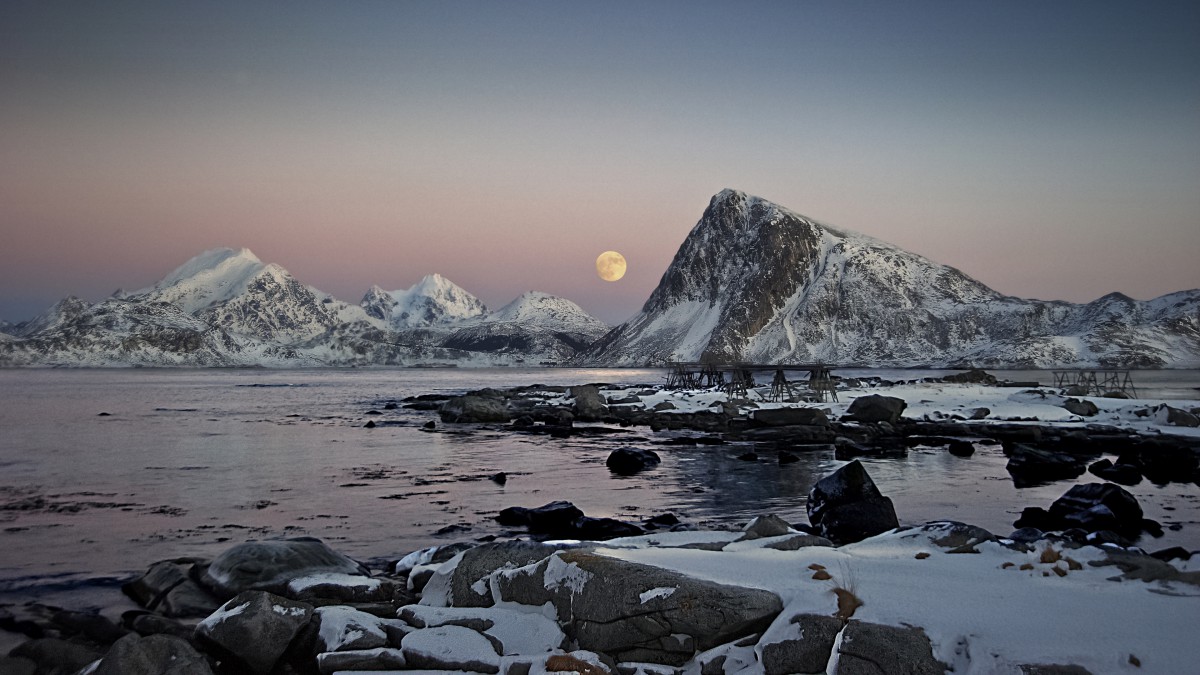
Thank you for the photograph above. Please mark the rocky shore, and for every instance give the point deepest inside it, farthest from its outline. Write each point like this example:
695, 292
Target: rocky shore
849, 591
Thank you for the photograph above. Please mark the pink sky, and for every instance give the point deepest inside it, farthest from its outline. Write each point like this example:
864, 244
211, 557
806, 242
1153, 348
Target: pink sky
506, 147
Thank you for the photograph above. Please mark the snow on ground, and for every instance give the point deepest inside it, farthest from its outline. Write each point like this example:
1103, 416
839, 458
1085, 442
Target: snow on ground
982, 611
940, 402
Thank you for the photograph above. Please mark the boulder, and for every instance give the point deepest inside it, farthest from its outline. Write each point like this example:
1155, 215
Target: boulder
960, 448
1162, 463
801, 643
1031, 466
782, 417
1165, 415
551, 518
870, 649
1125, 474
972, 376
254, 629
587, 404
342, 628
628, 461
473, 409
270, 565
637, 612
449, 648
603, 529
769, 525
468, 587
1083, 408
978, 413
1099, 506
53, 655
153, 655
846, 507
875, 408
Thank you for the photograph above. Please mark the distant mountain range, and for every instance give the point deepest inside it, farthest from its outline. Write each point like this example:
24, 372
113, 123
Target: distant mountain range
225, 307
752, 282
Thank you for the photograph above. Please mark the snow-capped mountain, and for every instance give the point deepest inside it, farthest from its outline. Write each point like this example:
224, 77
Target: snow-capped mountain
756, 282
533, 323
226, 307
432, 301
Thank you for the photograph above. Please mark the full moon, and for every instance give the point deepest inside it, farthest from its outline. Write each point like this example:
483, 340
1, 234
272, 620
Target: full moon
610, 266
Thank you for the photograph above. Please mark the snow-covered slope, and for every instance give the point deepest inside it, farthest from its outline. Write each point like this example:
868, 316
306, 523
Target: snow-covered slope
534, 323
756, 282
226, 307
432, 301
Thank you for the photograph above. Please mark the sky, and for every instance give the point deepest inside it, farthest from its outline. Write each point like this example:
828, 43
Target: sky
1049, 149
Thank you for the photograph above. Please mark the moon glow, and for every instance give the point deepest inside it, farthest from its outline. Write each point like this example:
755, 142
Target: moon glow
610, 266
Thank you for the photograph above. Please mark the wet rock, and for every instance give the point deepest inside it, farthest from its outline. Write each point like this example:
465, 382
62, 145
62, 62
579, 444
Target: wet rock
846, 507
869, 649
628, 461
269, 565
550, 518
603, 529
875, 408
1099, 506
499, 478
92, 627
1125, 474
637, 612
254, 629
153, 655
145, 624
474, 410
960, 448
1037, 518
1083, 408
1031, 466
779, 417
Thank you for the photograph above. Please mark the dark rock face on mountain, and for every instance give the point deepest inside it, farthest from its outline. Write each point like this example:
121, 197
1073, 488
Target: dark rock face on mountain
756, 282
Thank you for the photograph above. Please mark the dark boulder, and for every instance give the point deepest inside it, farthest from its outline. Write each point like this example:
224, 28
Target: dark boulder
1099, 506
782, 417
1083, 408
961, 448
1037, 518
552, 518
628, 461
972, 376
1031, 466
269, 565
1125, 474
875, 408
1165, 463
154, 655
846, 507
254, 629
601, 529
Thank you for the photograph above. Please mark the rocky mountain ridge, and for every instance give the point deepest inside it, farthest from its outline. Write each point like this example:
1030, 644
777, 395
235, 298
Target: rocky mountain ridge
756, 282
225, 307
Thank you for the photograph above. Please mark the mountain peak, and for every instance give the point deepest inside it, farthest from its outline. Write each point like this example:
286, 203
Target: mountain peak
431, 301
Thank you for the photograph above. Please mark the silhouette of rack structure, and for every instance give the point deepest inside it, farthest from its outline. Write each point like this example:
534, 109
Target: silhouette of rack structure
737, 379
1095, 381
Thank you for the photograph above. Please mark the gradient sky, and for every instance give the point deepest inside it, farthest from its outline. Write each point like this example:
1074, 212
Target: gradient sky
1049, 149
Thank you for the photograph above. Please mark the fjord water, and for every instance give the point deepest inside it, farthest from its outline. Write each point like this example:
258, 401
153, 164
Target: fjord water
103, 472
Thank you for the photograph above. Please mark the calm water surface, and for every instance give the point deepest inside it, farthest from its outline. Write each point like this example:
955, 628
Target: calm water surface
188, 462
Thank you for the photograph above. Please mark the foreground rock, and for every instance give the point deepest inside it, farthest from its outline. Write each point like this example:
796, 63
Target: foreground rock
636, 612
846, 507
254, 629
270, 565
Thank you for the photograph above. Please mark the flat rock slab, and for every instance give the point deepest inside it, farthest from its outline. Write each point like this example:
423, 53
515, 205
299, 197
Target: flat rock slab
637, 612
450, 648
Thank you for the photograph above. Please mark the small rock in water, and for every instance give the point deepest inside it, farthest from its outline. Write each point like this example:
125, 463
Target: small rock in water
429, 425
370, 424
628, 461
846, 507
960, 448
499, 478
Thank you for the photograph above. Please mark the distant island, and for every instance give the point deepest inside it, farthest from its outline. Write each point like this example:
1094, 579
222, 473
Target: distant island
753, 281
